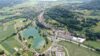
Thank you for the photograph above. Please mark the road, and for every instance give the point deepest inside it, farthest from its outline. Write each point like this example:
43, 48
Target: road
82, 45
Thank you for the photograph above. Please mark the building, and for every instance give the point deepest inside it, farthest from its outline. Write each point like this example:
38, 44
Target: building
77, 39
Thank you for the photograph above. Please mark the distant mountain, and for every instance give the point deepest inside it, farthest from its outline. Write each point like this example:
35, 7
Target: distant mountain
71, 4
95, 4
5, 3
48, 4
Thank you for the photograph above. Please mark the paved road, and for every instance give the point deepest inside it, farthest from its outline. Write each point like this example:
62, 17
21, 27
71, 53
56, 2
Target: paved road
82, 45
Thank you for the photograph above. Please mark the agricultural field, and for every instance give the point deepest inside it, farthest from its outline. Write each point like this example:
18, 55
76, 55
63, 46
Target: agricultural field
75, 50
10, 44
8, 41
6, 31
8, 28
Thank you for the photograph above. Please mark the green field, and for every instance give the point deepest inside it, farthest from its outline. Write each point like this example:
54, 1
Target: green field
7, 41
95, 44
10, 44
75, 50
97, 28
7, 32
8, 29
2, 48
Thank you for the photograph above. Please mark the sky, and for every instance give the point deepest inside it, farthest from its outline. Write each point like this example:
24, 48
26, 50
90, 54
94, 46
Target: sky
47, 0
63, 0
69, 1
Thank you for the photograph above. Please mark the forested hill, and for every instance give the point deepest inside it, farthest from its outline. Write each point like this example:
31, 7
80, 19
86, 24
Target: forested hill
5, 3
94, 4
75, 21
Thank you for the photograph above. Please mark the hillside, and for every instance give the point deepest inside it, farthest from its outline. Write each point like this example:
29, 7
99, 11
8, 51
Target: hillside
94, 4
76, 22
5, 3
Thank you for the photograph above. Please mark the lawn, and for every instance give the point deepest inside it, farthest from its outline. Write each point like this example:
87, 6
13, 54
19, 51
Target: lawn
95, 44
75, 50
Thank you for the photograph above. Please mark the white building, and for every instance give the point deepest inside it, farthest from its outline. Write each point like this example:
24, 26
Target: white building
77, 39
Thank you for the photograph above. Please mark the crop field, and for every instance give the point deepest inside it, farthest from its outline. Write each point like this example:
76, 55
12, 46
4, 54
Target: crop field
10, 44
7, 41
6, 32
8, 29
75, 50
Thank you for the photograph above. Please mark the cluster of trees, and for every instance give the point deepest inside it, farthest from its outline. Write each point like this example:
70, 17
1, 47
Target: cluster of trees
63, 16
42, 55
89, 22
74, 21
1, 52
92, 35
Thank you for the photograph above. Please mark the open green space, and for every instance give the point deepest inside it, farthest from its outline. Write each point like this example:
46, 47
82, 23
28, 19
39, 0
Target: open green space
2, 48
75, 50
8, 41
10, 44
95, 44
8, 28
6, 32
97, 28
